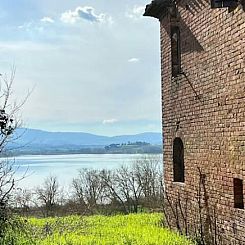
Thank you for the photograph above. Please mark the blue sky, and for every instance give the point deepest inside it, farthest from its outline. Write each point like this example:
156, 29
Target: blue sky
93, 66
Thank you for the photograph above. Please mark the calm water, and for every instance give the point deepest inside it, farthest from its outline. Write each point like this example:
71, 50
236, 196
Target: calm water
66, 167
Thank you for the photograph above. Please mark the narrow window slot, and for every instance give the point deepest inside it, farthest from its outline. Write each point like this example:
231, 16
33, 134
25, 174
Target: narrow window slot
238, 193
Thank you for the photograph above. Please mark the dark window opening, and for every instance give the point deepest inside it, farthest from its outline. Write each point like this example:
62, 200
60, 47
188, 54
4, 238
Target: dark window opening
224, 4
238, 193
175, 51
178, 160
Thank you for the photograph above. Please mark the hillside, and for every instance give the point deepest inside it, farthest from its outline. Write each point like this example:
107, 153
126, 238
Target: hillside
33, 141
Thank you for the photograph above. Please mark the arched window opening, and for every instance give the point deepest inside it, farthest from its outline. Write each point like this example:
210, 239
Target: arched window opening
178, 160
238, 193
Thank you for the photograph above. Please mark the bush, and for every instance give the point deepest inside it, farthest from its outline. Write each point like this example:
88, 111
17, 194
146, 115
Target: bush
17, 231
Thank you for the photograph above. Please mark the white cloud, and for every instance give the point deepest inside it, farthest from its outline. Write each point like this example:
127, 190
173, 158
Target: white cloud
136, 13
47, 20
25, 26
110, 121
85, 13
133, 60
35, 25
31, 26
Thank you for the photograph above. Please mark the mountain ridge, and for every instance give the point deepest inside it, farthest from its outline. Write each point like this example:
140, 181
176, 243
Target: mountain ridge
34, 137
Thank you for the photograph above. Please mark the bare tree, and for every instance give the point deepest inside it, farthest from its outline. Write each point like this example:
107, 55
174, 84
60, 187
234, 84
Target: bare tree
48, 194
148, 173
126, 189
129, 186
22, 200
135, 186
89, 188
9, 121
112, 193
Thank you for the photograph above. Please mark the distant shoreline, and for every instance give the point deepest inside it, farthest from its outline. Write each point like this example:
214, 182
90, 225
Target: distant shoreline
60, 154
31, 153
124, 148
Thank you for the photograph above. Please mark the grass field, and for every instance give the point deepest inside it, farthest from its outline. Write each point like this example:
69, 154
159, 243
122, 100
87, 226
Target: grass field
98, 230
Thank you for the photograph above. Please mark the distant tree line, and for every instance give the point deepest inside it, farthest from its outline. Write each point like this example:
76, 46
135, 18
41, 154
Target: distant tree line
127, 189
124, 148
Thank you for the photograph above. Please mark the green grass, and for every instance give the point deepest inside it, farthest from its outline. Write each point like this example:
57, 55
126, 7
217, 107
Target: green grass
102, 230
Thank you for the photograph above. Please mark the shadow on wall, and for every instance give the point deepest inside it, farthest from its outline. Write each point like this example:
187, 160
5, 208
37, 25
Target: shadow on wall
194, 6
189, 42
243, 4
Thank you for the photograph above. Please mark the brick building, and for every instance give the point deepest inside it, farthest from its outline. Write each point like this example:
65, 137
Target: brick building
203, 99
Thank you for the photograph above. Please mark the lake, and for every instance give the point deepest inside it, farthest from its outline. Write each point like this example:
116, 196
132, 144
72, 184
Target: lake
66, 167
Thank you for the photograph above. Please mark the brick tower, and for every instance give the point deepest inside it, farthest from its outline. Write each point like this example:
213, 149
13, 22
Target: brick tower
203, 101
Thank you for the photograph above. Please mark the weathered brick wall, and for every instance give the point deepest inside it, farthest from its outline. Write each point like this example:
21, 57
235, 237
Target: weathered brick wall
212, 124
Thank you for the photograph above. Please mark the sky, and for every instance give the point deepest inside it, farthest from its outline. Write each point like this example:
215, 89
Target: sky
91, 66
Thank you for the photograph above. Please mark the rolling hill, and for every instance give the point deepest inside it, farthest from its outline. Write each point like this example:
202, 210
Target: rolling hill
34, 140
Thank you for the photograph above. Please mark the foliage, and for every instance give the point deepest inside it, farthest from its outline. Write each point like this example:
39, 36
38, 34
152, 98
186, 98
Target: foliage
120, 229
16, 231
